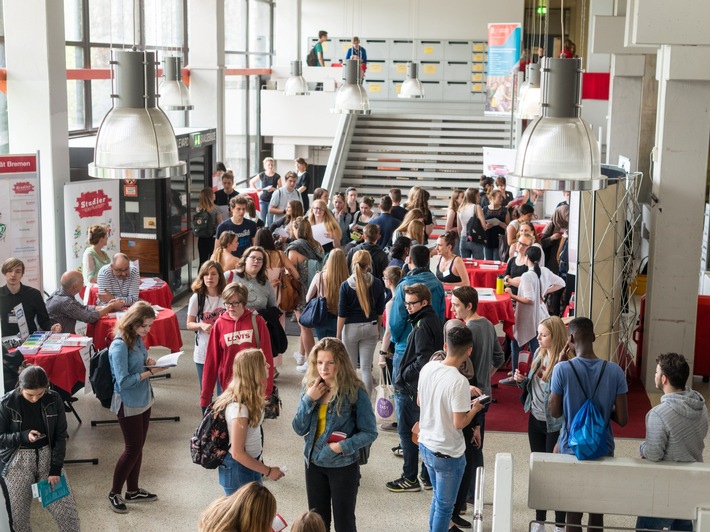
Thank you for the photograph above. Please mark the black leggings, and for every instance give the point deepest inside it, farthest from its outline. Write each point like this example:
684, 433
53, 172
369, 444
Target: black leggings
542, 441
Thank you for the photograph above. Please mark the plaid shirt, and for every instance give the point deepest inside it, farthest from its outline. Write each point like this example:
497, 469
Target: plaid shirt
126, 289
66, 310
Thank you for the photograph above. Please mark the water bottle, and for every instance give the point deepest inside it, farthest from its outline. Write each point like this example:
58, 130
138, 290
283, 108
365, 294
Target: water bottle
500, 285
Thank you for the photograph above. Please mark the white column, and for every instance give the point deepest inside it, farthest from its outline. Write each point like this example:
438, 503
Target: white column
37, 113
679, 181
207, 60
625, 97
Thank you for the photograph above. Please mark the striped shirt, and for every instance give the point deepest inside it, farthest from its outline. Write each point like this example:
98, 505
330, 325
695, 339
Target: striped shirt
66, 311
126, 289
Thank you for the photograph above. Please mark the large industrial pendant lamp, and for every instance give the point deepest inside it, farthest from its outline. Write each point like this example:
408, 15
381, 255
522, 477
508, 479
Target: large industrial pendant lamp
529, 94
135, 139
411, 87
296, 84
558, 151
174, 94
351, 97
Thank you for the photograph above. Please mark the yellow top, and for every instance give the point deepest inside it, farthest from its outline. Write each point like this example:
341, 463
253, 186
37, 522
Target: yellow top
322, 409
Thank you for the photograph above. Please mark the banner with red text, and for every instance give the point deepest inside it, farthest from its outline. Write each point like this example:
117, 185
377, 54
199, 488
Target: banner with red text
20, 214
88, 203
503, 64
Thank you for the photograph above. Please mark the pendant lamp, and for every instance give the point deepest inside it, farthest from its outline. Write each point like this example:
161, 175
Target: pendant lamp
135, 139
412, 87
296, 84
558, 151
529, 94
174, 94
351, 97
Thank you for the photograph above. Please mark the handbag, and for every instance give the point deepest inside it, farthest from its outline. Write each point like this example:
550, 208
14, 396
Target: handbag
503, 247
288, 292
363, 453
315, 313
385, 409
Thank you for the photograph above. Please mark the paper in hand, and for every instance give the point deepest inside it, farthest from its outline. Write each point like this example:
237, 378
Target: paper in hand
167, 361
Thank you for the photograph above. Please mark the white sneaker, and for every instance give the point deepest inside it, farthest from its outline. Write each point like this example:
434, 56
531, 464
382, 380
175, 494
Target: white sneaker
302, 368
300, 359
559, 529
537, 527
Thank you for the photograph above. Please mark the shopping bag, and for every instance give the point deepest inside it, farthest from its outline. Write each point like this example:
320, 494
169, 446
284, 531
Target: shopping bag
384, 402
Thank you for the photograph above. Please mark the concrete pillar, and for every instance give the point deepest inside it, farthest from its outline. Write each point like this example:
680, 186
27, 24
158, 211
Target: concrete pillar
625, 100
207, 63
37, 113
679, 178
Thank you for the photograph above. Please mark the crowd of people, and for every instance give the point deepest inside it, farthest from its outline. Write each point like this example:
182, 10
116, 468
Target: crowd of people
354, 276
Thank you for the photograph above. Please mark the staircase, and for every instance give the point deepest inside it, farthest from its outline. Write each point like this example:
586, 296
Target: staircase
436, 152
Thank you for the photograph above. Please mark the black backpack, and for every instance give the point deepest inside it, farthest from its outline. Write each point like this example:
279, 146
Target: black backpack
202, 224
100, 376
474, 230
210, 442
312, 57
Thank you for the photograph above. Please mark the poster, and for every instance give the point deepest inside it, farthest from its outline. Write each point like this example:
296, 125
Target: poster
20, 214
503, 65
88, 203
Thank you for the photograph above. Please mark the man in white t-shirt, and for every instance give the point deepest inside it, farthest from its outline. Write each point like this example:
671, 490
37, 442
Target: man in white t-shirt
446, 408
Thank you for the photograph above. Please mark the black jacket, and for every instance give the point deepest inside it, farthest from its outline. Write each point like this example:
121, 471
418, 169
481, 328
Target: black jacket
427, 337
11, 420
380, 259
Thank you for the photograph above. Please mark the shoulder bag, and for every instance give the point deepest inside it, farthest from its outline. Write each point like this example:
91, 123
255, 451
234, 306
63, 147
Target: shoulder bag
288, 292
315, 313
272, 408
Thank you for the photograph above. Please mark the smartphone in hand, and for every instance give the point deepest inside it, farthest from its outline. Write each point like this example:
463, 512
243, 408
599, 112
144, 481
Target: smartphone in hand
483, 399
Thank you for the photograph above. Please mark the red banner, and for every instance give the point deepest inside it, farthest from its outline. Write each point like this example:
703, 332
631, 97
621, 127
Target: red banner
93, 203
595, 85
16, 164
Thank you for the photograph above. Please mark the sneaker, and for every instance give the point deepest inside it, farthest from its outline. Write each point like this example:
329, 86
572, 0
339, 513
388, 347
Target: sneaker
537, 527
425, 483
403, 484
300, 359
302, 368
398, 451
460, 522
117, 504
559, 529
509, 382
140, 496
392, 427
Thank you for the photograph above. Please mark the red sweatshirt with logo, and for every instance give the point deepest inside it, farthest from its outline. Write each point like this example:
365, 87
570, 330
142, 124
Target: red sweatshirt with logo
227, 338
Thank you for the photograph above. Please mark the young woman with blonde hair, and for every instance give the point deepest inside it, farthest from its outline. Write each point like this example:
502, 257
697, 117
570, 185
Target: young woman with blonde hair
222, 255
470, 207
543, 429
453, 209
205, 244
360, 309
94, 256
320, 214
308, 522
419, 199
403, 229
294, 209
243, 406
333, 400
251, 508
326, 283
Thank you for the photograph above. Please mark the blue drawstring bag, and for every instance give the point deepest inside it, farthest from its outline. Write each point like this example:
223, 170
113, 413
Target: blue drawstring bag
587, 432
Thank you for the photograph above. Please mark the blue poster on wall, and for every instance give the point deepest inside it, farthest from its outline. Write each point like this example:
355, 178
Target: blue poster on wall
503, 64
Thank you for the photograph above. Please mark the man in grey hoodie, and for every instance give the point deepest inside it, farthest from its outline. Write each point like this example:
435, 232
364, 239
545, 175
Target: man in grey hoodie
675, 429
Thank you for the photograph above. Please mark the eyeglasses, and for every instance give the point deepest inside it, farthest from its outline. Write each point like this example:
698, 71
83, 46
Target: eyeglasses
255, 259
231, 304
122, 270
410, 304
318, 209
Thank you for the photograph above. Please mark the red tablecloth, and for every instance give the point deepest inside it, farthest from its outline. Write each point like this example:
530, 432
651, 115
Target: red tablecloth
165, 331
254, 195
500, 310
483, 277
65, 369
160, 294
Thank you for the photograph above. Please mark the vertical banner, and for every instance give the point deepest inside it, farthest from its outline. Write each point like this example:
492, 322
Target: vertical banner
88, 203
20, 214
503, 64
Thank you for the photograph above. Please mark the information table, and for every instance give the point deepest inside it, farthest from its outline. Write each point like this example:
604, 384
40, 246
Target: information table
158, 294
165, 331
500, 310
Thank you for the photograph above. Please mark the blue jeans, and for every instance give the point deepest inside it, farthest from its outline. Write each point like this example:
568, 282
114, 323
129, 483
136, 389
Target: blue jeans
407, 416
445, 474
659, 523
515, 349
491, 253
329, 329
233, 475
264, 211
471, 250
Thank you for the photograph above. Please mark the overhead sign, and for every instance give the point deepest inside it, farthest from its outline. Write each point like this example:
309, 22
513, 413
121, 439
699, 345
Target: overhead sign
503, 64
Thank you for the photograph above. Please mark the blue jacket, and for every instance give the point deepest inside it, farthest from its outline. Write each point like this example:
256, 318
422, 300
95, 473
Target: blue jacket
398, 320
126, 368
305, 423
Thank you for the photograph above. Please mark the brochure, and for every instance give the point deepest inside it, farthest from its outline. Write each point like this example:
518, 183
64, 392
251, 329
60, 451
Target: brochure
43, 491
167, 361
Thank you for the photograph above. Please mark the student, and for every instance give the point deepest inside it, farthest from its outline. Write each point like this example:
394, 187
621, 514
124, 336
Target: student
243, 406
322, 37
244, 229
281, 197
304, 184
251, 509
675, 429
380, 260
308, 522
444, 397
223, 197
398, 211
566, 397
266, 182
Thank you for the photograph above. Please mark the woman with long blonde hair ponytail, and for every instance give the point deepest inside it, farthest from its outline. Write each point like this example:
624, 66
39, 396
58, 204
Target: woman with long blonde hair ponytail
360, 309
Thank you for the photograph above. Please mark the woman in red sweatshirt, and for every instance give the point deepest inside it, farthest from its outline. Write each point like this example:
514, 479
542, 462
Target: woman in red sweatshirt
237, 329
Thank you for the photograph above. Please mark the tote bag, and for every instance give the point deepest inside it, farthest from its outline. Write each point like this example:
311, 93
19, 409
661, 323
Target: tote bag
384, 402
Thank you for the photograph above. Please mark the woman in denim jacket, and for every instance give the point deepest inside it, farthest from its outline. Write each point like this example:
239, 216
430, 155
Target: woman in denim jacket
543, 429
131, 369
336, 418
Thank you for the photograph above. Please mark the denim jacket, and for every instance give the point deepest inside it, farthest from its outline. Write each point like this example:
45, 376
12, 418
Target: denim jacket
553, 423
126, 368
305, 423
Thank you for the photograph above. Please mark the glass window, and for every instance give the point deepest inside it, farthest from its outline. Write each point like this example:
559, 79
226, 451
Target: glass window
100, 100
235, 30
163, 23
73, 20
75, 105
259, 26
111, 21
235, 125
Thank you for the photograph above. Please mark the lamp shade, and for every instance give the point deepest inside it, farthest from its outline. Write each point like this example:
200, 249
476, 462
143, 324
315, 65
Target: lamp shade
558, 151
174, 94
529, 94
296, 84
351, 97
412, 87
135, 139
